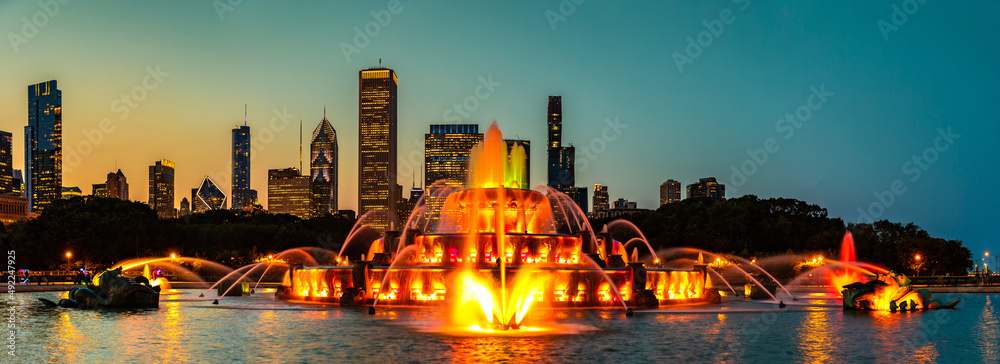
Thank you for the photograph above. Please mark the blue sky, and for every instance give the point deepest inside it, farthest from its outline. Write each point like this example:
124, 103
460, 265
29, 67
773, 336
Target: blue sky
887, 94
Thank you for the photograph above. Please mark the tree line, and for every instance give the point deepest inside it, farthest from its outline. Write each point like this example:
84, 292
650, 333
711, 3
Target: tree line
102, 231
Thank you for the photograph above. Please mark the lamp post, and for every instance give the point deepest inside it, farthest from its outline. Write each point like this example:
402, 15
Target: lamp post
917, 257
69, 261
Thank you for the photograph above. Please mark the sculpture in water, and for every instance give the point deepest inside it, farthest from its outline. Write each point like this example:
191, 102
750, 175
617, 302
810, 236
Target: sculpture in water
110, 289
890, 292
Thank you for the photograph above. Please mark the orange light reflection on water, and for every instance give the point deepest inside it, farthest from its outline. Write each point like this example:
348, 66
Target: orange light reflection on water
816, 338
68, 340
170, 349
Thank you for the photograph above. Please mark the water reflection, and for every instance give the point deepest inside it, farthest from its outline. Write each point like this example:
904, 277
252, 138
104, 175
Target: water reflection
172, 330
258, 329
69, 341
988, 333
816, 339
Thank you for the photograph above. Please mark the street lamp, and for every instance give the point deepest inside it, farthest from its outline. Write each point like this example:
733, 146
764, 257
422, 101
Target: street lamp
69, 256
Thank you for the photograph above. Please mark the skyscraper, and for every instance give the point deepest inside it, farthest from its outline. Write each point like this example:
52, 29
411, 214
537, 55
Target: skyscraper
600, 209
18, 182
446, 152
6, 163
377, 145
185, 208
526, 144
243, 196
323, 167
161, 188
707, 187
288, 192
43, 145
670, 191
209, 195
554, 118
99, 190
561, 160
116, 186
561, 174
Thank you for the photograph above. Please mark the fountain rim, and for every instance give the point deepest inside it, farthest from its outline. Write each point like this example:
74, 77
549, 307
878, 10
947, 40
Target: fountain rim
443, 268
465, 235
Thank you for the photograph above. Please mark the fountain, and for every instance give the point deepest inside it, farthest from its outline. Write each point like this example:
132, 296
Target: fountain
493, 249
110, 289
890, 292
844, 277
886, 291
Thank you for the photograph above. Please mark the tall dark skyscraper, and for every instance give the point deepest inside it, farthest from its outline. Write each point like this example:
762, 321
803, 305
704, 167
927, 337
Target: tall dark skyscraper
43, 145
6, 163
243, 196
555, 121
323, 166
377, 145
446, 152
561, 160
161, 189
561, 174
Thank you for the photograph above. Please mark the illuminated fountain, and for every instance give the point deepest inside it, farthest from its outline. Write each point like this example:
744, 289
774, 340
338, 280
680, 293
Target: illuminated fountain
840, 278
890, 292
491, 250
884, 290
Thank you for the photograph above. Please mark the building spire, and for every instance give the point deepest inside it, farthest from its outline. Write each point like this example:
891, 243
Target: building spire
324, 112
300, 143
244, 114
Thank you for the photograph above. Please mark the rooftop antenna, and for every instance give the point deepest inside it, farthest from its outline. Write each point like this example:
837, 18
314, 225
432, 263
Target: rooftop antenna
380, 62
300, 147
244, 114
324, 112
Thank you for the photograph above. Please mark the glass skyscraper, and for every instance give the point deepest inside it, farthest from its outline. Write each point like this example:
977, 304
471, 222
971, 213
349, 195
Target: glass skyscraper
446, 152
43, 145
561, 174
243, 196
288, 192
323, 166
377, 146
6, 161
210, 195
161, 189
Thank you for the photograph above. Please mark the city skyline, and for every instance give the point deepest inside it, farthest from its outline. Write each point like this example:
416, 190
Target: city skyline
887, 99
